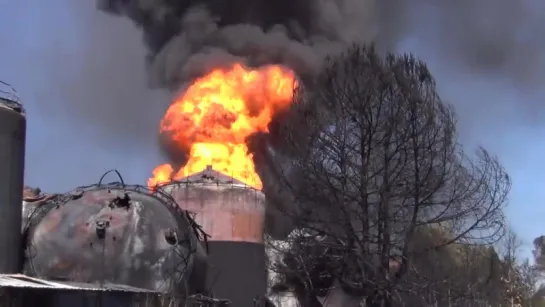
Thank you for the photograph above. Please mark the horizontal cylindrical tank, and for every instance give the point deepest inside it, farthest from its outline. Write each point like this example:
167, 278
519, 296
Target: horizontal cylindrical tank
12, 166
119, 234
232, 214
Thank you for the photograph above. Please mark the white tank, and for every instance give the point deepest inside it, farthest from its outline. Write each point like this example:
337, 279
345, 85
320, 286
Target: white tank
232, 214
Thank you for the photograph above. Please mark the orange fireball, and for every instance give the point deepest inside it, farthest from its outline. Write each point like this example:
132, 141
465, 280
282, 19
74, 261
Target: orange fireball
216, 114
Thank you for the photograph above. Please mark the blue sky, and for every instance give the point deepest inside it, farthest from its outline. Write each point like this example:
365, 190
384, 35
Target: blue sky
89, 109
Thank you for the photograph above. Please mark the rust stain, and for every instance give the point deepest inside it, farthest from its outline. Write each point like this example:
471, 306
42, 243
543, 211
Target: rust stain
52, 220
101, 197
63, 265
248, 227
232, 226
82, 229
29, 193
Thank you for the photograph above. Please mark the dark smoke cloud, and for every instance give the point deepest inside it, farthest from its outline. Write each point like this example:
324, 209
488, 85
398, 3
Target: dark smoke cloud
187, 38
184, 39
483, 39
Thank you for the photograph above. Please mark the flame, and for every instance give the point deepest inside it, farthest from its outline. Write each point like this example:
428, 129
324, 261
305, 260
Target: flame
216, 114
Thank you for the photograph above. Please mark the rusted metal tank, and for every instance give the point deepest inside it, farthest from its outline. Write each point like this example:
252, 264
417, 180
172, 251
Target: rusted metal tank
12, 169
115, 233
233, 214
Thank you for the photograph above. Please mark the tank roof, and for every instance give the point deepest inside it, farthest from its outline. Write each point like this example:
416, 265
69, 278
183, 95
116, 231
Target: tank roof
9, 98
12, 105
209, 175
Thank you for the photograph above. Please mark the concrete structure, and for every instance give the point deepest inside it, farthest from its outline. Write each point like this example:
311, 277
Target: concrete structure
114, 233
18, 290
12, 169
232, 214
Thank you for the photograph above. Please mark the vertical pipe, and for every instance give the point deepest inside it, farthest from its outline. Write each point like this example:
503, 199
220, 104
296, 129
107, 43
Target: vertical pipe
12, 165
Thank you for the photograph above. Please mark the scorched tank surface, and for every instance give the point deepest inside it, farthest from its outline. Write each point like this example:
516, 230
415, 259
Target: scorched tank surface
115, 233
12, 165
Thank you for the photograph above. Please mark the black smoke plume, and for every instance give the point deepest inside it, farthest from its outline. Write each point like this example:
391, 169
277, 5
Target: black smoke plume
187, 38
496, 39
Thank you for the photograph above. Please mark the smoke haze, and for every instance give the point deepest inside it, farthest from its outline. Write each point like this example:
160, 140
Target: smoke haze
477, 42
186, 41
108, 84
82, 75
485, 39
485, 36
82, 79
102, 84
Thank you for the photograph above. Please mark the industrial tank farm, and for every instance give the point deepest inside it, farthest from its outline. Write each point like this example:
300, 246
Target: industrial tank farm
149, 239
152, 239
115, 233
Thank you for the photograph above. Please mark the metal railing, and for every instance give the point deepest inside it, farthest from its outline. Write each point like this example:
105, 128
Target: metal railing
208, 177
9, 97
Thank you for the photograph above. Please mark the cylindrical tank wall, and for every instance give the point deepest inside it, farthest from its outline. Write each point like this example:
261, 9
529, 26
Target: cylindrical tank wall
225, 212
12, 166
237, 272
233, 217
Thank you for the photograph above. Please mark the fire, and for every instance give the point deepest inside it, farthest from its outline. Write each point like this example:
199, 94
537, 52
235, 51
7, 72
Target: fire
216, 114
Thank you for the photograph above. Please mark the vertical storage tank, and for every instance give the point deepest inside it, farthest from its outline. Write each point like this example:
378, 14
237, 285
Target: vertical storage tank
12, 165
232, 214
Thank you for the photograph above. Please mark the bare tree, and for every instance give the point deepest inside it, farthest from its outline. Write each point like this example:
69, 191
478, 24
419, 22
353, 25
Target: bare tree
517, 278
373, 160
509, 247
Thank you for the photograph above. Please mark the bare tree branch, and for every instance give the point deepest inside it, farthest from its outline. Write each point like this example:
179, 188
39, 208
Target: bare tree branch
375, 161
